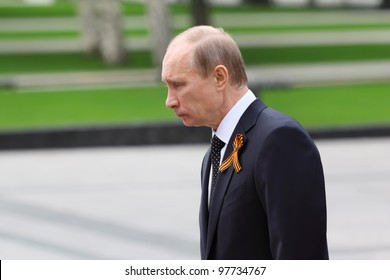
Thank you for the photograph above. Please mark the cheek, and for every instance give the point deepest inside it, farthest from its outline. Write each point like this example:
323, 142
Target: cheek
200, 97
203, 102
211, 98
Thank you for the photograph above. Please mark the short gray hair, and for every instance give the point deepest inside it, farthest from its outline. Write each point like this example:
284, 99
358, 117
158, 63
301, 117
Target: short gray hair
212, 47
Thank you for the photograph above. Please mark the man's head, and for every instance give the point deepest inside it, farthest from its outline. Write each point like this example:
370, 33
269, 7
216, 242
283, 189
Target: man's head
205, 75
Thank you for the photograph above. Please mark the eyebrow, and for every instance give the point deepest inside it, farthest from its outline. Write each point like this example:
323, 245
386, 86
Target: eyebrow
170, 81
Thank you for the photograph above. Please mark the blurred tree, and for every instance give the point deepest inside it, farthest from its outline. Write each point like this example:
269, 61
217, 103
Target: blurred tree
112, 45
200, 12
312, 3
258, 2
385, 4
89, 22
102, 29
160, 29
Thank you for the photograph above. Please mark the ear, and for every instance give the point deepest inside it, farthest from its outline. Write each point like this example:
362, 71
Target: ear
221, 76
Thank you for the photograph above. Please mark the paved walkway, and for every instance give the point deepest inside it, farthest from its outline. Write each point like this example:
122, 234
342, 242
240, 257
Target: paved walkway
237, 20
330, 18
275, 75
292, 39
105, 204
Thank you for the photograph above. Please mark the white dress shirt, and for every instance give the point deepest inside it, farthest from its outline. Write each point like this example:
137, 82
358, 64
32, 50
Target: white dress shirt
230, 121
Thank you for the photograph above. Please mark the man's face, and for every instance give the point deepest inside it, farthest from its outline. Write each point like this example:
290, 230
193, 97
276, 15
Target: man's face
194, 99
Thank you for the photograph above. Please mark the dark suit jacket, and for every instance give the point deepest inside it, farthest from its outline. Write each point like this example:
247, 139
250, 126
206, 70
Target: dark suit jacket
275, 207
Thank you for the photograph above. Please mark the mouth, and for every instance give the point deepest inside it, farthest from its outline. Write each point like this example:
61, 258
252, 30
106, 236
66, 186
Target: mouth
179, 115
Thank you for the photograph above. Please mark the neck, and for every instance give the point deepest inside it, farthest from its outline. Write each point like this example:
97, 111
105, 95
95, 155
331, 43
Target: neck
231, 97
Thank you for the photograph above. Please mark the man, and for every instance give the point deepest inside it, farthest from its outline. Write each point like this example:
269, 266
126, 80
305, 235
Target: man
264, 197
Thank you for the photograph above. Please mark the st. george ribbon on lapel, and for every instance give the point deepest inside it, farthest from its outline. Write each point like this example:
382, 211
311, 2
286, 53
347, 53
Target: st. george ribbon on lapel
233, 158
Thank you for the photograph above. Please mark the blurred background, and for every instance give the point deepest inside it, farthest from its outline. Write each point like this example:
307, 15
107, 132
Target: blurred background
85, 74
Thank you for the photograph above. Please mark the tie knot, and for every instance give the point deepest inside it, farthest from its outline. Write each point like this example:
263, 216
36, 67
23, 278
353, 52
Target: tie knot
216, 143
216, 146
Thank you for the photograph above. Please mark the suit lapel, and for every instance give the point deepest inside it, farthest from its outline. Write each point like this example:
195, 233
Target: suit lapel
222, 184
246, 122
204, 209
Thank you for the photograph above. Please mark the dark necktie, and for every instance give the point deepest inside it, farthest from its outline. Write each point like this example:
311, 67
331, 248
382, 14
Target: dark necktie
216, 146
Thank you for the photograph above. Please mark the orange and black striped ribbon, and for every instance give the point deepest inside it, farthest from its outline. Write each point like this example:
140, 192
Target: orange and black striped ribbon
233, 158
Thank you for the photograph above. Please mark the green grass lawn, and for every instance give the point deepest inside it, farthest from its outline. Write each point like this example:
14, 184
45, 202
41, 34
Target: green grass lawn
47, 62
282, 29
68, 9
314, 107
65, 62
64, 9
21, 110
332, 106
53, 35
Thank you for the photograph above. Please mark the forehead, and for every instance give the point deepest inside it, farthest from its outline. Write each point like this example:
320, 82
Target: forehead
176, 62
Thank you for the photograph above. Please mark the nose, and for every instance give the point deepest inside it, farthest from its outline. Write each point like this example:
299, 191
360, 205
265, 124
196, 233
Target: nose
171, 101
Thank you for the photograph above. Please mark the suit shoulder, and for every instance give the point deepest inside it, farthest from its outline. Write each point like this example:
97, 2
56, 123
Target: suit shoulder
271, 120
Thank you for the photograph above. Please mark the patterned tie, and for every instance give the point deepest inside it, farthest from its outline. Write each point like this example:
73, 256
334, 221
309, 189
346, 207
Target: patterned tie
216, 146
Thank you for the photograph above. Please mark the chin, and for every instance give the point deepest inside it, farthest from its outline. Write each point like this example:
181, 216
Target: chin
189, 123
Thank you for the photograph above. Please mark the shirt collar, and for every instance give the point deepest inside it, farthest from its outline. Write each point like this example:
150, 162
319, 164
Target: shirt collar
230, 121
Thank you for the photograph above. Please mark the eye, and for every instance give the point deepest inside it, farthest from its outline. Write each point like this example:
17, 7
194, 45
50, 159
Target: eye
175, 84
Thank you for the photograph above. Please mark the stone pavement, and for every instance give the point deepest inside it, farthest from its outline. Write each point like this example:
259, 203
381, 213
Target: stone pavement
142, 202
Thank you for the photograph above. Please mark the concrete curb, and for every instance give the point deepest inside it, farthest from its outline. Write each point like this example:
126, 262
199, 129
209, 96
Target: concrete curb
351, 132
147, 134
140, 134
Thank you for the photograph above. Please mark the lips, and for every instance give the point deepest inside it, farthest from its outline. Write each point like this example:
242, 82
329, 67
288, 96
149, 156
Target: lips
179, 115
